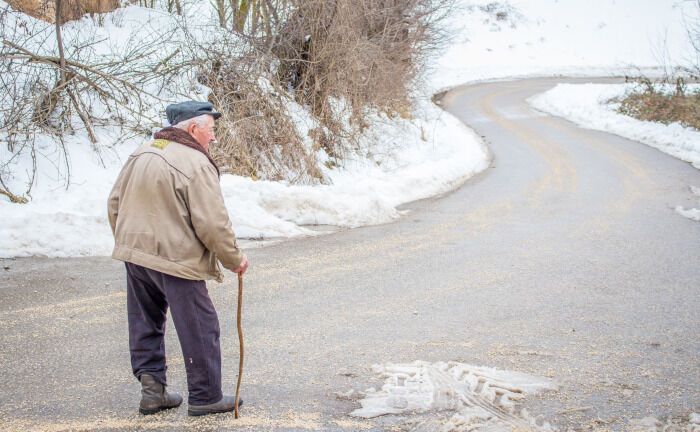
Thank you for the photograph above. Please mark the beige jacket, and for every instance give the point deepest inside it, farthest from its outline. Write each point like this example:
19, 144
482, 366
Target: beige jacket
167, 213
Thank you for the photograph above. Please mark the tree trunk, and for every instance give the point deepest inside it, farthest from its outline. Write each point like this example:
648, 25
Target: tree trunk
221, 11
241, 15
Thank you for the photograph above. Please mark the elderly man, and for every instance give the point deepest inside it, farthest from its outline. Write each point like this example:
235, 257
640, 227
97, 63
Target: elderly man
171, 228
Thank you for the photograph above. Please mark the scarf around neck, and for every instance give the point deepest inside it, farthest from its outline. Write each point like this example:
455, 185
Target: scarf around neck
182, 137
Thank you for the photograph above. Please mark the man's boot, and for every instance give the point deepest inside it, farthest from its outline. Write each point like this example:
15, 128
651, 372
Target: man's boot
155, 398
226, 404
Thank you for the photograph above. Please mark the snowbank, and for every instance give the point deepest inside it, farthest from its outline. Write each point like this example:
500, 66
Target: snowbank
412, 159
589, 105
409, 160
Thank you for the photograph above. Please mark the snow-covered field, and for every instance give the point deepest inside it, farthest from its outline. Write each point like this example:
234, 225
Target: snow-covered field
500, 39
409, 160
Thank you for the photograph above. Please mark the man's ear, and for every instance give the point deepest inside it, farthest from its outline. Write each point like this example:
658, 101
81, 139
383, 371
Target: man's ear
190, 128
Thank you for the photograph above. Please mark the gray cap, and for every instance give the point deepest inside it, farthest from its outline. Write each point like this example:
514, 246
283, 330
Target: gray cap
186, 110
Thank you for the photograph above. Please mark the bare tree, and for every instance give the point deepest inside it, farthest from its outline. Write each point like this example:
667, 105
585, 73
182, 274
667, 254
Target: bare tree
43, 89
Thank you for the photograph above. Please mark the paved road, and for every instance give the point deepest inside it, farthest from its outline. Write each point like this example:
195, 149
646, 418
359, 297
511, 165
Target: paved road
564, 259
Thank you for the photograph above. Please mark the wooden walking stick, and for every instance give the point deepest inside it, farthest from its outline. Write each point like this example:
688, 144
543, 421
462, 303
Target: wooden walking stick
240, 340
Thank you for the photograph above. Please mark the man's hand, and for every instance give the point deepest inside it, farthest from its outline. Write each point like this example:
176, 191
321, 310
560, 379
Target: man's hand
243, 267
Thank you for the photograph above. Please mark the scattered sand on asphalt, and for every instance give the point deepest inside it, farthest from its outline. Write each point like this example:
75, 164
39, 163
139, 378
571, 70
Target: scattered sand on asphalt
168, 421
75, 306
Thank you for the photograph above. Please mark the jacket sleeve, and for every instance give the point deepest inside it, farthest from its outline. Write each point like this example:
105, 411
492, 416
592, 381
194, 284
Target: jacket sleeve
113, 203
210, 218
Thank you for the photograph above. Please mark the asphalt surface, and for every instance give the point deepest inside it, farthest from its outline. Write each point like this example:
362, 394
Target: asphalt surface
563, 259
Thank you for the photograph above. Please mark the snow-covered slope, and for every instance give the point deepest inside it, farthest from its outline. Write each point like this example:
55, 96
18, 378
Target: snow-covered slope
552, 37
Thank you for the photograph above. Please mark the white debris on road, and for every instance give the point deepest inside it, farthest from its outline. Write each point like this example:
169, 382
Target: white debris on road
691, 213
480, 397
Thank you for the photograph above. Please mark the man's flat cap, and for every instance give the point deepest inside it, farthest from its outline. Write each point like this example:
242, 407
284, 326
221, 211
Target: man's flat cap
186, 110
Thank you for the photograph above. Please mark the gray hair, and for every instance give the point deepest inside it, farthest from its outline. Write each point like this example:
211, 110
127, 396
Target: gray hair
199, 121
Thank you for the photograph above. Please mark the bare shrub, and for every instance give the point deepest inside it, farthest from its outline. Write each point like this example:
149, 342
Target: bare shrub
256, 135
367, 53
664, 103
668, 99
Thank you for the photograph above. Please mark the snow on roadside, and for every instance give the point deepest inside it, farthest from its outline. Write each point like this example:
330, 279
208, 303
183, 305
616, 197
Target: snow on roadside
60, 222
398, 161
412, 159
474, 397
409, 160
589, 105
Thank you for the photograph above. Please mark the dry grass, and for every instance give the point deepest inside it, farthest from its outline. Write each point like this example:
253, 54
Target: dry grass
368, 53
336, 57
653, 104
256, 137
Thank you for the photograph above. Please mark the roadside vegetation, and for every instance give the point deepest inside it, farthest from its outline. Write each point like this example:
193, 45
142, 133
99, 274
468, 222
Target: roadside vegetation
339, 65
664, 103
676, 97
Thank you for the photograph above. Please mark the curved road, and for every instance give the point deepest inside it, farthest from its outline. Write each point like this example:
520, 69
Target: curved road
564, 259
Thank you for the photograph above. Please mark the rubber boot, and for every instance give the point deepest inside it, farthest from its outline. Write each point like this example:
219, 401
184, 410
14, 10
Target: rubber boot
155, 398
226, 404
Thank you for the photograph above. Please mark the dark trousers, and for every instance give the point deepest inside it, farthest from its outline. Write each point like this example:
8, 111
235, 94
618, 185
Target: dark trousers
149, 293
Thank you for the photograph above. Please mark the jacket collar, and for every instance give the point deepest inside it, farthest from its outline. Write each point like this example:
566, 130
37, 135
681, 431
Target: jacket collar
182, 137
